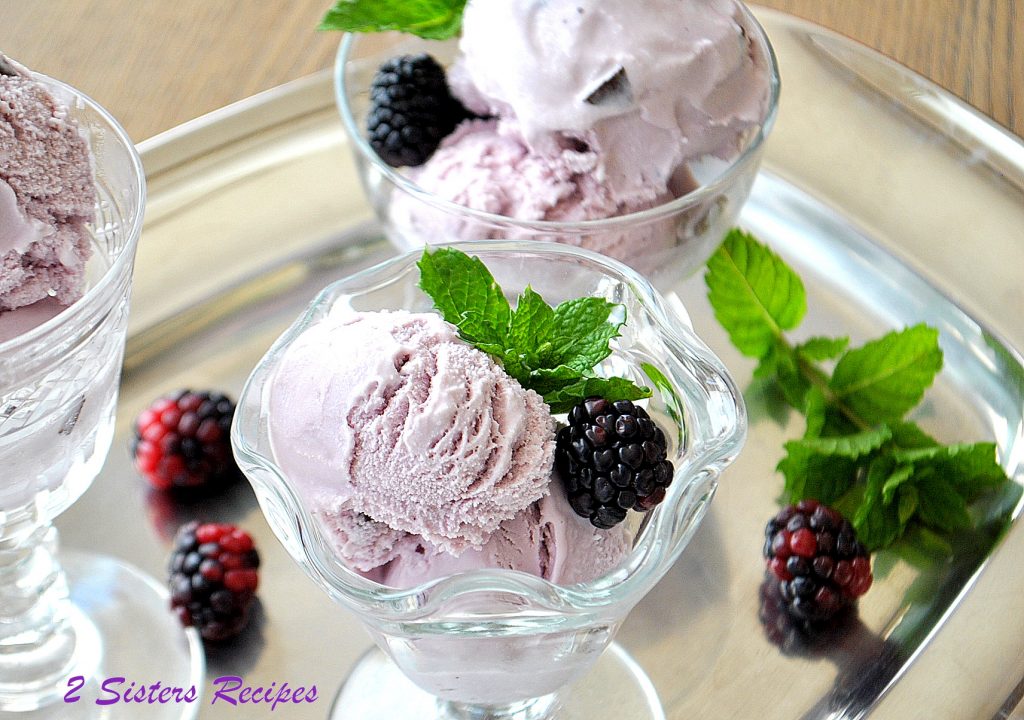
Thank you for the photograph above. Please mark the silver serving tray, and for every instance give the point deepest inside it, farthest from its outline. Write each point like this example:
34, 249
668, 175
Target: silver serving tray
896, 202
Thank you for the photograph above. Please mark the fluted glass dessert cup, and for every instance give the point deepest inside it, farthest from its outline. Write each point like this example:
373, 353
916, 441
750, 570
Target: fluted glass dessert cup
69, 621
501, 643
664, 242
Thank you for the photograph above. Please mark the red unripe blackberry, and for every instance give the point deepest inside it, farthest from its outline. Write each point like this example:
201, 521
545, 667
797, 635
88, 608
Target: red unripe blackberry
182, 442
611, 457
814, 554
213, 576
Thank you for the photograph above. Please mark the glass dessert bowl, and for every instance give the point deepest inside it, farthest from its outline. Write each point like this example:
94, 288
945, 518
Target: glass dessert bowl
67, 622
670, 235
502, 643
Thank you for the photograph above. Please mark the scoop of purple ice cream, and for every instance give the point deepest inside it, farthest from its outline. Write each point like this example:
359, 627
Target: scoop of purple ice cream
487, 165
547, 539
362, 542
392, 416
47, 194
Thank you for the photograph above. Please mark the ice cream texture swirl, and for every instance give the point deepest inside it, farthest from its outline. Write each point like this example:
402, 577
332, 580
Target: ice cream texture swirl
393, 416
648, 86
47, 193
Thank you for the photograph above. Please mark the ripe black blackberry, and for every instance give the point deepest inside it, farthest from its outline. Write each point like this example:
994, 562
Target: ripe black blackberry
213, 578
781, 628
814, 554
182, 442
798, 638
611, 458
412, 110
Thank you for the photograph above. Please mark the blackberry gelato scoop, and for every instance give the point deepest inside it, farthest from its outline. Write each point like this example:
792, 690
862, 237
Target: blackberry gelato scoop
648, 86
47, 194
547, 539
487, 165
396, 416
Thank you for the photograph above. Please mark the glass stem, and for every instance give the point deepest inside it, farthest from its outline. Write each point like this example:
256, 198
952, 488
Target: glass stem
37, 635
542, 708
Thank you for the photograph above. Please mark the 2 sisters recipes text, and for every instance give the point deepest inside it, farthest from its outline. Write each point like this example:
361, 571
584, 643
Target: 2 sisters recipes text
227, 689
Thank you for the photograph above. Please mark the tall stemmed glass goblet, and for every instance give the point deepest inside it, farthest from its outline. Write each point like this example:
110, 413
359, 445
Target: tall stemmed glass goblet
499, 644
68, 623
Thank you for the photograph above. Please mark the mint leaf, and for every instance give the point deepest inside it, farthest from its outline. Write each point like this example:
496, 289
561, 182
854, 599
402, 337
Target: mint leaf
430, 19
921, 546
849, 446
552, 351
790, 380
908, 500
877, 523
849, 502
532, 324
584, 329
549, 380
824, 468
970, 468
814, 410
810, 474
940, 505
819, 349
897, 481
612, 389
909, 436
886, 378
574, 335
466, 295
755, 295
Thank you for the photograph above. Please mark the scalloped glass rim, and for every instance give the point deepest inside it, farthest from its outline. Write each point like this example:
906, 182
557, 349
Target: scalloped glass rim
662, 537
42, 334
705, 193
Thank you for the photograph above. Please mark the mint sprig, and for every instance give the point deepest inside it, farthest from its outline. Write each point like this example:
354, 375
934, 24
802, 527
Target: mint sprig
552, 350
858, 452
429, 19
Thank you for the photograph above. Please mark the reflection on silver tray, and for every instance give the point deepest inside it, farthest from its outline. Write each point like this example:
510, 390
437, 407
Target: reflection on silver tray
896, 203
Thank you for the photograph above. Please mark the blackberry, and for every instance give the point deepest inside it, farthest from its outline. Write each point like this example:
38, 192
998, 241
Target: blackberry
412, 110
182, 442
798, 638
820, 566
781, 629
213, 578
612, 457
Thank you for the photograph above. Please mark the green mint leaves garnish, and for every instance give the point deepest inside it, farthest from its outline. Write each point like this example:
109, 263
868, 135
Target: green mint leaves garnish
883, 380
858, 453
429, 19
552, 350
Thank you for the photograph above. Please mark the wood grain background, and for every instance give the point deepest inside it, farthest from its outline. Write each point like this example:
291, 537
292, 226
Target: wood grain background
155, 64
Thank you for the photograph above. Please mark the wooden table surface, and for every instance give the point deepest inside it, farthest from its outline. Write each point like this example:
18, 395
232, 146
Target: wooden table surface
155, 64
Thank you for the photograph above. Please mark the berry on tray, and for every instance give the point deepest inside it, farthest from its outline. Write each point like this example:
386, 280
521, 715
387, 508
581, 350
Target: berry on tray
182, 442
814, 554
214, 573
412, 110
612, 458
783, 630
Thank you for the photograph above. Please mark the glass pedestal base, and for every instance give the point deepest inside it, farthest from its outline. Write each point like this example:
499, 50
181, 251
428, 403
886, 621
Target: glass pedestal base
128, 640
616, 688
